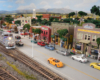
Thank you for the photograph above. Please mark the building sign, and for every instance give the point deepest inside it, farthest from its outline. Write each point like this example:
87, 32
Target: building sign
88, 27
89, 31
44, 28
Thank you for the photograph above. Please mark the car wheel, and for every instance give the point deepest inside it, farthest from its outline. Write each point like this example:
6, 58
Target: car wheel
80, 61
49, 62
92, 66
72, 58
56, 65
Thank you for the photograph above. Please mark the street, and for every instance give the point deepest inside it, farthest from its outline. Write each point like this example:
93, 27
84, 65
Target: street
73, 70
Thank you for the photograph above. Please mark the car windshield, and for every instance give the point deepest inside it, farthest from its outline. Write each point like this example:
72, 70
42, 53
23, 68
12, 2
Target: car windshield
57, 61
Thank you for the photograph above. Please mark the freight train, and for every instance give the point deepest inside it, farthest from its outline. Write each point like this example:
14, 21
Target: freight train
7, 40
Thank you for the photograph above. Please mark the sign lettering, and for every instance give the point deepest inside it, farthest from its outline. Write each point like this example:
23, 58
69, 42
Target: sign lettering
88, 27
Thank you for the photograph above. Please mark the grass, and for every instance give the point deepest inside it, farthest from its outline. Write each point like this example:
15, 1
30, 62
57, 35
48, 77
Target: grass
21, 73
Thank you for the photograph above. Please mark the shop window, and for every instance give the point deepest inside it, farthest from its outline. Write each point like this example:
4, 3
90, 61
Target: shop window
56, 40
94, 38
94, 52
85, 37
78, 47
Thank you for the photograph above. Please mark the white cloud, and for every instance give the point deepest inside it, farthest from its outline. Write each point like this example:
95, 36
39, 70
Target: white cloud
20, 1
9, 6
31, 6
58, 2
43, 3
85, 3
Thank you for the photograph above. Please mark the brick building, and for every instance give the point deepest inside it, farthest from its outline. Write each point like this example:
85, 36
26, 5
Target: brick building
85, 39
58, 26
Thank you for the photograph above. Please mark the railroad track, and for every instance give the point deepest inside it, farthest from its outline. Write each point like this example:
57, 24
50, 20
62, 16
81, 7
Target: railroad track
46, 73
4, 75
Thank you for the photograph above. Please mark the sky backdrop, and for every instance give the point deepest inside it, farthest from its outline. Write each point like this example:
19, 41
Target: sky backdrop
76, 5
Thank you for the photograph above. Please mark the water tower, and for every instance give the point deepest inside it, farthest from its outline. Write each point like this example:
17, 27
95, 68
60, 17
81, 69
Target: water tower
34, 13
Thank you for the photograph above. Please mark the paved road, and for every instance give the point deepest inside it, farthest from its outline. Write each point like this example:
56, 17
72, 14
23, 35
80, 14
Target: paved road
72, 70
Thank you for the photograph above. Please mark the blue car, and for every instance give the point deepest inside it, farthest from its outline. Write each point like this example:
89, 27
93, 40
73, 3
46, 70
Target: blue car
50, 47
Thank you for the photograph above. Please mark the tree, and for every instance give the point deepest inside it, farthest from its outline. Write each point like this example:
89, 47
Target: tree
39, 19
33, 20
44, 22
26, 26
66, 20
98, 41
18, 22
94, 10
37, 30
62, 32
71, 14
3, 24
0, 18
8, 19
51, 19
56, 20
82, 14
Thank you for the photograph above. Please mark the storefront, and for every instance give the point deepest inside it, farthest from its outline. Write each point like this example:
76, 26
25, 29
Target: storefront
46, 33
84, 39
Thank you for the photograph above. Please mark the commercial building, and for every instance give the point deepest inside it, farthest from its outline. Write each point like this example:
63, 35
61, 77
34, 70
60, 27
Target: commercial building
55, 26
24, 20
46, 33
84, 40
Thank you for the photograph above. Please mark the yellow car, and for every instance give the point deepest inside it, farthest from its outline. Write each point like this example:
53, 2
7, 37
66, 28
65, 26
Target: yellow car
95, 65
55, 62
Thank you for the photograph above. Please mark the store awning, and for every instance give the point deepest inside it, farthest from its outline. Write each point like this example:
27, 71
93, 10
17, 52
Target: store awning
84, 41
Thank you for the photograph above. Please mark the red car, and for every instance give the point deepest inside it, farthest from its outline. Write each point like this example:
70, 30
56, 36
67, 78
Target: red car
9, 31
24, 33
41, 43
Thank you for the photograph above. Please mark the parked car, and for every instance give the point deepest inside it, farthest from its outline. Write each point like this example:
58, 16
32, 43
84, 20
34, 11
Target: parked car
17, 37
50, 47
24, 33
95, 65
41, 43
34, 41
65, 53
79, 58
19, 43
55, 62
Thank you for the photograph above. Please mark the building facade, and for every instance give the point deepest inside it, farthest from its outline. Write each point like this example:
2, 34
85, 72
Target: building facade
46, 33
55, 26
24, 20
84, 40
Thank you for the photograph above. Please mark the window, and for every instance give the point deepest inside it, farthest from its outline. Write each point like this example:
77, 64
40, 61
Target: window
88, 36
94, 38
46, 32
79, 35
78, 47
85, 37
28, 20
22, 20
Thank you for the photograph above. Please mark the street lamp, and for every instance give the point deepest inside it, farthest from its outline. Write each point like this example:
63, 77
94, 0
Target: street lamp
54, 42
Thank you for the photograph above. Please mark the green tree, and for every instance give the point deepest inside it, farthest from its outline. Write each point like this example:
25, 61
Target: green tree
98, 41
33, 21
9, 19
44, 22
71, 14
37, 31
3, 24
26, 26
51, 19
0, 18
18, 22
82, 14
62, 32
94, 10
39, 19
56, 20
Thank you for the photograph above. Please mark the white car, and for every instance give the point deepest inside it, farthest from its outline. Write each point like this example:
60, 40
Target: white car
79, 58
